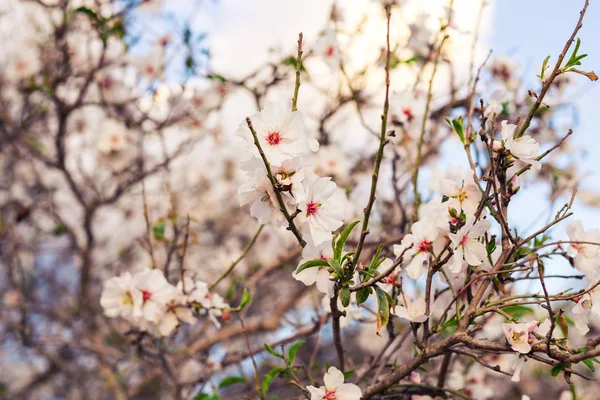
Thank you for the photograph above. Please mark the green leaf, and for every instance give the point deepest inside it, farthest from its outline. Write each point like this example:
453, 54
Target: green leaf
90, 13
268, 379
558, 367
517, 311
326, 365
158, 229
273, 352
218, 77
362, 295
232, 380
544, 66
588, 363
415, 351
311, 264
383, 309
345, 296
348, 374
291, 61
341, 242
246, 297
458, 127
491, 246
206, 396
294, 349
337, 268
59, 229
375, 261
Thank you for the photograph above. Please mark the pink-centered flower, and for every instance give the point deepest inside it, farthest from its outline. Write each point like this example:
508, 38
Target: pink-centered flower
335, 388
322, 211
318, 275
422, 237
466, 245
280, 132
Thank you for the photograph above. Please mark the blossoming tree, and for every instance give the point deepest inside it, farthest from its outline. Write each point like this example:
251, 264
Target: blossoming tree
322, 249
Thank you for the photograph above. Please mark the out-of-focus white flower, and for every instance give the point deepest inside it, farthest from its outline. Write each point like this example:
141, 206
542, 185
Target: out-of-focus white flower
318, 275
150, 65
328, 48
406, 114
466, 245
112, 136
212, 303
335, 388
352, 312
322, 211
517, 366
177, 310
588, 304
120, 297
413, 310
524, 148
585, 255
156, 293
150, 5
330, 161
517, 335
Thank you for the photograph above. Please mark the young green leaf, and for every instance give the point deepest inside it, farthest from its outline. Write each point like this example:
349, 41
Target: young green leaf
558, 367
272, 352
246, 297
268, 379
293, 350
232, 380
348, 374
158, 229
345, 296
337, 268
311, 264
362, 295
458, 127
383, 309
341, 242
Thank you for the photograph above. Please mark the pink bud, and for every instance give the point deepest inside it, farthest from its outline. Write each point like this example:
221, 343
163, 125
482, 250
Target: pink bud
497, 145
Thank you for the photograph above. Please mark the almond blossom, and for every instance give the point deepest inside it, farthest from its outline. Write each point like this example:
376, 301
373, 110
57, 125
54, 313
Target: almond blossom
422, 236
335, 388
112, 137
465, 196
328, 48
517, 335
524, 148
318, 275
322, 211
212, 303
156, 293
587, 305
466, 245
413, 310
586, 257
280, 132
120, 297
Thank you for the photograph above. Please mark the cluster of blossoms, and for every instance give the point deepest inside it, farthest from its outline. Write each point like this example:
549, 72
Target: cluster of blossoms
318, 203
150, 303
